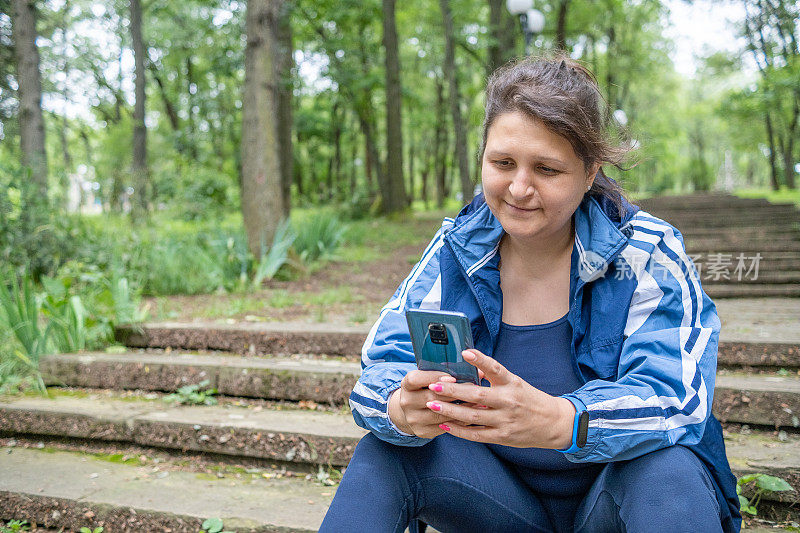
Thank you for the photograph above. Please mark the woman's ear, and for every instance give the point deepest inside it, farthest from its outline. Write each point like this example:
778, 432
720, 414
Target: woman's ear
592, 174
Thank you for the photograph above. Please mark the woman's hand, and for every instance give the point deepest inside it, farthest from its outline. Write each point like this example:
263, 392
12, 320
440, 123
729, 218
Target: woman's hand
515, 414
408, 405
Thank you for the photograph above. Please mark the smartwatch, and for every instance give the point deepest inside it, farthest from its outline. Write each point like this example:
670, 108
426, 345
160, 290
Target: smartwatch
580, 431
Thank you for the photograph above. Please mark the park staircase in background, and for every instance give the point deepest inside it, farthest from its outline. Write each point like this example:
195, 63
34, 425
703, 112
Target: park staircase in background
724, 236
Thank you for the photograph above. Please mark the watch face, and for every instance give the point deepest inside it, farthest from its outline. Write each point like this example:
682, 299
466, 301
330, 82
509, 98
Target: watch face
583, 429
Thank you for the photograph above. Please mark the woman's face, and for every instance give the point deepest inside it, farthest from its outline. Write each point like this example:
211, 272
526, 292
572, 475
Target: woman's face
533, 180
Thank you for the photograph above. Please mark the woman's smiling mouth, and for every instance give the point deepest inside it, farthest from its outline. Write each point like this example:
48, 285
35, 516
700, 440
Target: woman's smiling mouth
517, 209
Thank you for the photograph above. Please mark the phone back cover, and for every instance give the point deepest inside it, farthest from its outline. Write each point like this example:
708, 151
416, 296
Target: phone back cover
442, 357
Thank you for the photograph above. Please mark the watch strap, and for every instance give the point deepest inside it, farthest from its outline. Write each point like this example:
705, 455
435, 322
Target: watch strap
580, 429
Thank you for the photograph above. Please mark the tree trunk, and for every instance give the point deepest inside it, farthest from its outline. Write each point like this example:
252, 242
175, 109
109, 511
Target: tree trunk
561, 25
455, 104
329, 177
503, 28
336, 134
172, 116
611, 93
65, 153
261, 191
774, 181
191, 89
788, 166
411, 149
31, 121
394, 192
284, 64
440, 144
139, 167
496, 30
352, 166
371, 151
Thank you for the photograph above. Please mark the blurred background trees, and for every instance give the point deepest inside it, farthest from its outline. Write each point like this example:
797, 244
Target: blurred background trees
194, 110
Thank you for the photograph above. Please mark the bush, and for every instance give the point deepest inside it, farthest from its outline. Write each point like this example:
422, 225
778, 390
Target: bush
172, 265
74, 311
32, 239
318, 236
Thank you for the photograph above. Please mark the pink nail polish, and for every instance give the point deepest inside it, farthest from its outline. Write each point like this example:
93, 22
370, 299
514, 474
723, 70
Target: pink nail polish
436, 387
434, 406
444, 427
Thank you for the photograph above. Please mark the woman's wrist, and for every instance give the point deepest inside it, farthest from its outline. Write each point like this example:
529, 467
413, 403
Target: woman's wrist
563, 424
395, 413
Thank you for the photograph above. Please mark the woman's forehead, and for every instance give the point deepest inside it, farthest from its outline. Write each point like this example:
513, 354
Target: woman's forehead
516, 133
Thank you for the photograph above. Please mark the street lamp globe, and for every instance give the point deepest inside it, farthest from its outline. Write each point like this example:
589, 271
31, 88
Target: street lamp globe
535, 21
519, 7
621, 118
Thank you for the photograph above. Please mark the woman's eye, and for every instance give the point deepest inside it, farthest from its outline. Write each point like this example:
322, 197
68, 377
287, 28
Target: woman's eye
503, 163
548, 170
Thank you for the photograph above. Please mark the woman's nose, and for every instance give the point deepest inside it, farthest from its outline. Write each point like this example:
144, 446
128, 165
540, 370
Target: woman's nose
521, 185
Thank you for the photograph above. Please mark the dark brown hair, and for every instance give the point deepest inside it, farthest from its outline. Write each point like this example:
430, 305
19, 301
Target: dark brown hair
564, 95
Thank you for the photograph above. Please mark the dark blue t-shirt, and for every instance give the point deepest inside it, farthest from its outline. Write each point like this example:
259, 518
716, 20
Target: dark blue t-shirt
540, 354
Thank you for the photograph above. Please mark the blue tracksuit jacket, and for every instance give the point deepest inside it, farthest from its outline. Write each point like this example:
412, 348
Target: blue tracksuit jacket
644, 337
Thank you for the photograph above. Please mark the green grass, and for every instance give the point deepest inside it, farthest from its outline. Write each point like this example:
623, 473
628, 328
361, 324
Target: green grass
782, 196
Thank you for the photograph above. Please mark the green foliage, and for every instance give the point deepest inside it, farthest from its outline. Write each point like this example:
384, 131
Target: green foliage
33, 238
763, 483
318, 236
213, 525
98, 529
277, 255
12, 526
172, 265
19, 322
73, 311
197, 394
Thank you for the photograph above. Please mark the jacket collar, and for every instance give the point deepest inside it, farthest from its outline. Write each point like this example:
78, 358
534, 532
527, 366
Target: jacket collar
476, 236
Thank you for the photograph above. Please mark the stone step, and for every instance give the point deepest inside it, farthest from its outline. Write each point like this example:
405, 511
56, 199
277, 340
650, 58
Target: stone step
685, 203
307, 436
703, 199
247, 338
751, 452
322, 381
753, 345
707, 277
743, 290
65, 489
767, 263
749, 247
757, 399
327, 381
58, 489
763, 355
759, 230
790, 221
724, 211
295, 435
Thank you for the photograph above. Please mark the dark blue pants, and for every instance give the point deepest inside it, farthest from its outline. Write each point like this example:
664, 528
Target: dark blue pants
460, 486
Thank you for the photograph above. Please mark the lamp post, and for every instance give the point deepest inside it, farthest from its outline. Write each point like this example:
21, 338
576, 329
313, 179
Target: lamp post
531, 20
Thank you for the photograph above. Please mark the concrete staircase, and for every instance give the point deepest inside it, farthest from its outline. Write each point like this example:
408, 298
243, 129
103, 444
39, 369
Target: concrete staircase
724, 234
107, 449
282, 412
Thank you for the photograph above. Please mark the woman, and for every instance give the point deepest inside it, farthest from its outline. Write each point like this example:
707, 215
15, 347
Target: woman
583, 309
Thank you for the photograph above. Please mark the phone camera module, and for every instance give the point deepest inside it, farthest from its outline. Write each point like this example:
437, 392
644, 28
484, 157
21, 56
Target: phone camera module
438, 333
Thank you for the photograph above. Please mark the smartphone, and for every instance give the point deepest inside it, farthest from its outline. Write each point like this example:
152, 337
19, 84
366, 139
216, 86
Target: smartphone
438, 338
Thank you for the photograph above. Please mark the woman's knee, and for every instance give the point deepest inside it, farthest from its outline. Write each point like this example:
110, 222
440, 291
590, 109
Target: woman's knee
669, 487
377, 457
674, 470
